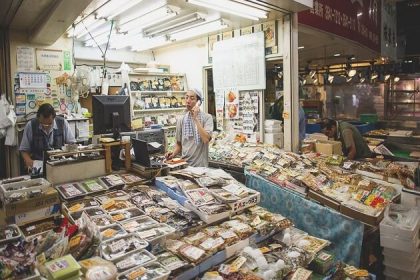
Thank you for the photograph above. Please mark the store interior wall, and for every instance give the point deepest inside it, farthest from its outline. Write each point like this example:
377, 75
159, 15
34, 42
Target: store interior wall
189, 57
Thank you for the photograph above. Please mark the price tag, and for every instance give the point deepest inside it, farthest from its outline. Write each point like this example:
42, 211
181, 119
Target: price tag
236, 265
117, 246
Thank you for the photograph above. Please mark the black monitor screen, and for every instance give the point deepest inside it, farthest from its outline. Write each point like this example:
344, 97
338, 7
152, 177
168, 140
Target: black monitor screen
104, 107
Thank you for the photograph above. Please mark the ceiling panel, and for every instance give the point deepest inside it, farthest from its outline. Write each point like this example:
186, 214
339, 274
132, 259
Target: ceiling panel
29, 13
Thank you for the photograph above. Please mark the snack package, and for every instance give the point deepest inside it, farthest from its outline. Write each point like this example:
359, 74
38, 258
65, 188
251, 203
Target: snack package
116, 248
133, 259
170, 261
192, 253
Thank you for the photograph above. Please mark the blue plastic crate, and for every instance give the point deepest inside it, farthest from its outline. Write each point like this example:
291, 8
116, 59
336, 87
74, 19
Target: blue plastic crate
313, 128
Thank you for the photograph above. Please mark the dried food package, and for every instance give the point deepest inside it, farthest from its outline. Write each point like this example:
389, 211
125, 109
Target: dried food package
117, 195
156, 232
229, 236
112, 231
133, 259
112, 181
192, 253
93, 185
116, 204
196, 238
116, 248
139, 223
102, 220
170, 261
71, 190
173, 245
78, 205
148, 272
125, 214
129, 178
94, 211
211, 244
9, 233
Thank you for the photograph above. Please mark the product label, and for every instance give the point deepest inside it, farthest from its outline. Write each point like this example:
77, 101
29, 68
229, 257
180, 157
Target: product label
74, 241
58, 265
136, 273
76, 207
236, 264
108, 233
117, 246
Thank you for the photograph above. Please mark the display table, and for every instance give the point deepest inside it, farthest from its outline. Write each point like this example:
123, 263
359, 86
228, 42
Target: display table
236, 171
345, 233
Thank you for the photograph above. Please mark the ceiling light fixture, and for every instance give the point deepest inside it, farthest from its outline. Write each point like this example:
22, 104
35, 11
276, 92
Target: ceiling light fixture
359, 14
149, 19
198, 30
351, 73
116, 8
330, 79
362, 80
176, 24
337, 54
147, 44
387, 76
374, 76
312, 74
396, 79
231, 7
301, 47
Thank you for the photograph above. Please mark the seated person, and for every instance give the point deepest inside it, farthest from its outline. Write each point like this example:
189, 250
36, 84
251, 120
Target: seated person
354, 146
47, 131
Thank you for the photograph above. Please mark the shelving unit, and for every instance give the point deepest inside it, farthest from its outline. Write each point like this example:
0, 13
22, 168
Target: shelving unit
402, 101
152, 94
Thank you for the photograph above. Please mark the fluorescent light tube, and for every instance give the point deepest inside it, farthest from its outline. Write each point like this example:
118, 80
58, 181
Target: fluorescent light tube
149, 19
199, 30
176, 24
119, 8
231, 8
147, 44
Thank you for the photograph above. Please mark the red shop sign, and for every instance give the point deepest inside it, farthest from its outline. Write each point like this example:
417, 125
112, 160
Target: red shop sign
357, 20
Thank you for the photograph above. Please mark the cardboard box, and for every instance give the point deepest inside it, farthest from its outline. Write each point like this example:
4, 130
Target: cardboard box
324, 200
364, 218
329, 147
33, 209
71, 172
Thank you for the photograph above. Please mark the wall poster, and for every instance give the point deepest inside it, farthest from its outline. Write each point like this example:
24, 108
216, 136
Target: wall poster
49, 59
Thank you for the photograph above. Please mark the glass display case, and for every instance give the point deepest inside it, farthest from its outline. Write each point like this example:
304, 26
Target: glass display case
403, 99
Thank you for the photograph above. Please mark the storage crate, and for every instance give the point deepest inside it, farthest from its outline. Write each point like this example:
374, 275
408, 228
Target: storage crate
368, 118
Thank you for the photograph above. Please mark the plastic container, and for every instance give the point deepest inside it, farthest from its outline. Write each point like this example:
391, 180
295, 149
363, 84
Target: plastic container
9, 233
408, 246
401, 274
93, 185
131, 242
126, 214
152, 271
102, 221
117, 195
412, 257
139, 223
155, 233
71, 190
26, 188
400, 222
112, 232
79, 205
135, 258
402, 263
93, 211
112, 181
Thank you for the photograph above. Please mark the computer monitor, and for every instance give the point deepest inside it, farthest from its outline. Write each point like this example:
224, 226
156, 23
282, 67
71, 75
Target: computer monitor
111, 114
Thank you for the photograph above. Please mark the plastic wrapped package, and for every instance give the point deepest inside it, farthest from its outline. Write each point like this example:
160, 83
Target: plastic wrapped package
79, 205
112, 231
139, 223
116, 204
133, 259
170, 261
98, 269
192, 253
156, 232
71, 190
93, 185
126, 214
116, 248
153, 271
119, 195
196, 238
102, 220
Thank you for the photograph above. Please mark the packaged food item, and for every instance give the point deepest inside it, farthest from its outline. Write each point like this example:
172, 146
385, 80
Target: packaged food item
93, 185
88, 267
170, 261
102, 220
150, 271
117, 195
114, 249
212, 230
211, 244
133, 259
139, 223
229, 236
155, 232
79, 205
116, 204
113, 231
322, 262
302, 274
130, 179
241, 229
71, 190
126, 214
174, 245
192, 253
39, 227
90, 212
199, 197
62, 268
112, 181
9, 233
196, 238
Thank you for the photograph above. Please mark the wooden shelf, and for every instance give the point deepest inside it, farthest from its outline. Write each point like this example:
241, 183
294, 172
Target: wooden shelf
159, 109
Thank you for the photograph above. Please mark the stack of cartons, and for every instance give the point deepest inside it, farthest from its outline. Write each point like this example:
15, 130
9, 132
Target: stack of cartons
400, 238
273, 133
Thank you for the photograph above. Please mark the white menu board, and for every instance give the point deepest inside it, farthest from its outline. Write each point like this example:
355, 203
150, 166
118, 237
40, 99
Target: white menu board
240, 63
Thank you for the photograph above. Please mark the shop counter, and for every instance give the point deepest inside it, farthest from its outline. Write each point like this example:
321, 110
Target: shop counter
346, 234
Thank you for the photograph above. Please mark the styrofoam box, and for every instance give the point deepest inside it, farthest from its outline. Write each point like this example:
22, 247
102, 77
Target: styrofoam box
409, 246
401, 263
272, 123
410, 198
273, 138
273, 129
412, 257
25, 186
401, 274
399, 233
